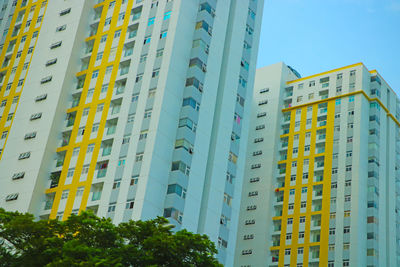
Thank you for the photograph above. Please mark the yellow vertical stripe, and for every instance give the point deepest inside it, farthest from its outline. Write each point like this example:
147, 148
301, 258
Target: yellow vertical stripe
322, 244
7, 70
93, 106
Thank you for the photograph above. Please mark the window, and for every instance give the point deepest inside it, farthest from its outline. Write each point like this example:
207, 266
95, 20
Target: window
99, 56
129, 204
46, 79
103, 38
288, 236
30, 135
301, 234
100, 107
302, 219
347, 213
346, 230
351, 98
95, 74
155, 73
51, 62
287, 251
111, 207
90, 148
303, 204
36, 116
262, 114
64, 194
139, 157
163, 34
12, 197
117, 34
134, 180
95, 127
139, 77
75, 152
151, 21
131, 118
352, 73
300, 250
147, 114
55, 45
147, 40
18, 175
347, 198
81, 131
116, 184
143, 58
311, 84
332, 231
61, 28
160, 52
65, 11
181, 166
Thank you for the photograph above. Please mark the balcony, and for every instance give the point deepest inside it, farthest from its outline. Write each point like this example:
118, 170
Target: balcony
106, 151
132, 34
318, 178
102, 173
111, 130
96, 195
128, 52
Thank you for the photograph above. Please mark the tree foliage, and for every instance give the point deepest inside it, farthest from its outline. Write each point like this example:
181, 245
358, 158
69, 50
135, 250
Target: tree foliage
87, 240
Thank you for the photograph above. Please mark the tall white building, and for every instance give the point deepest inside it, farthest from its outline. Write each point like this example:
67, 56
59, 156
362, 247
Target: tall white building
132, 109
322, 177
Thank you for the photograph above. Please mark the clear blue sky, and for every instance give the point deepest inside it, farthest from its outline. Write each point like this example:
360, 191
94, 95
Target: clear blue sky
314, 36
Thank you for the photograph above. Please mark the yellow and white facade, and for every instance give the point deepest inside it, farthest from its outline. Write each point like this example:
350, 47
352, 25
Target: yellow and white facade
130, 108
322, 175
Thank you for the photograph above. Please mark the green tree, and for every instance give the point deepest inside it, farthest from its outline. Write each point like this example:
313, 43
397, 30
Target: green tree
87, 240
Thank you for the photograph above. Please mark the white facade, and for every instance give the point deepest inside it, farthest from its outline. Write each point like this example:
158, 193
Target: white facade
143, 115
321, 184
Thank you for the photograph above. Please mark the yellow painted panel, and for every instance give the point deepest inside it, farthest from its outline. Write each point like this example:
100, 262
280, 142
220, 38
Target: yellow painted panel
23, 58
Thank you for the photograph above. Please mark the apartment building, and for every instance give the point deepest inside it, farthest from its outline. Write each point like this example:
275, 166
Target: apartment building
131, 109
322, 179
